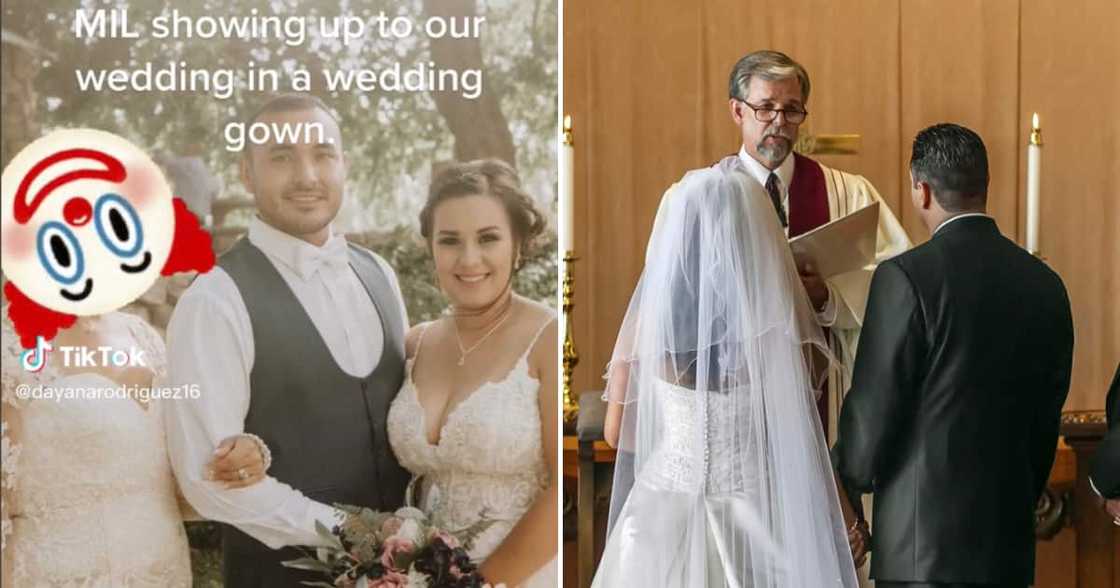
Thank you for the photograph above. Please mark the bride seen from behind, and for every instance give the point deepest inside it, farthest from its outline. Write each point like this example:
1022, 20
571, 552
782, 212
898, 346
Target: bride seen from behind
477, 415
722, 477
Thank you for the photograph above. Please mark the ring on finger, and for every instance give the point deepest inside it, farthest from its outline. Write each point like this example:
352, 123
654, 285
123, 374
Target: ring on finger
242, 474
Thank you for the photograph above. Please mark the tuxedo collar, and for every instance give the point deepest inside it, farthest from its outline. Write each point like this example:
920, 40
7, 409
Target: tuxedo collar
962, 222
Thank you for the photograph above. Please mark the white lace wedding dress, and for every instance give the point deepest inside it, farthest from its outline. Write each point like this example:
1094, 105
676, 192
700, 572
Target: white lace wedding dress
488, 464
90, 498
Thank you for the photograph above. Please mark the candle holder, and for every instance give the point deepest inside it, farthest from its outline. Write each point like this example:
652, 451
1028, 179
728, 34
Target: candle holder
1034, 162
570, 354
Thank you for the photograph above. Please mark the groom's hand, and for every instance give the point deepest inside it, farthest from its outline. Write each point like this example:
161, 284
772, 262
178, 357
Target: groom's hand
1112, 507
814, 284
237, 463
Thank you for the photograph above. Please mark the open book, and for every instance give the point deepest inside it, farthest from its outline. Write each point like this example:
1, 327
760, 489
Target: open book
845, 244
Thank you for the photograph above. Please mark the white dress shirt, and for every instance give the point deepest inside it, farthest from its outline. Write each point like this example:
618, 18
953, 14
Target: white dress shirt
762, 174
210, 344
827, 315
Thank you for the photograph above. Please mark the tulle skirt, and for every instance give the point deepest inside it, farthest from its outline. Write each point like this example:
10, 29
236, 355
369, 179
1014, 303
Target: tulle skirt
686, 540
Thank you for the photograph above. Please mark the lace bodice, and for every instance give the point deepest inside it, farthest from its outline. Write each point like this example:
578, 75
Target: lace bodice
488, 464
89, 494
700, 446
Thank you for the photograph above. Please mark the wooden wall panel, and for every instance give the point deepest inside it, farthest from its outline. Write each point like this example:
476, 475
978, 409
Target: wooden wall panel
635, 125
960, 64
1071, 77
854, 76
647, 85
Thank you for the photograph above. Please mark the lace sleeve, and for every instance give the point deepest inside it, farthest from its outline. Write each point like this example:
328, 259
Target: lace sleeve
10, 426
152, 343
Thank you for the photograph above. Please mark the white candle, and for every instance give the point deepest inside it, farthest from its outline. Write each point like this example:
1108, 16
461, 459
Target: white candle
1034, 179
567, 188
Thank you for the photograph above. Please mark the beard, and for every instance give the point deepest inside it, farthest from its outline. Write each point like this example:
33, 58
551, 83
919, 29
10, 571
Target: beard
777, 150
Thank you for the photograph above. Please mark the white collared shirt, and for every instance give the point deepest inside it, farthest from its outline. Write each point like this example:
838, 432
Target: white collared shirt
762, 173
826, 317
210, 344
951, 219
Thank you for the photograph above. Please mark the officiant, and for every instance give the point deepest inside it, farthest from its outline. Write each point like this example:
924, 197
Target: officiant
768, 99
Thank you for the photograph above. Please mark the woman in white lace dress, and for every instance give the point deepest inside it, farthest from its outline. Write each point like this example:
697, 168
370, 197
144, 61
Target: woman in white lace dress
722, 477
88, 494
477, 414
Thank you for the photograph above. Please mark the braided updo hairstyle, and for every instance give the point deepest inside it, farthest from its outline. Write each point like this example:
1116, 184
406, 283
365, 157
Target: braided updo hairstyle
487, 177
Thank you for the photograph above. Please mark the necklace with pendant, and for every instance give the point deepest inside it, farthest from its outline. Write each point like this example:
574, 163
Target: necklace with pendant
464, 351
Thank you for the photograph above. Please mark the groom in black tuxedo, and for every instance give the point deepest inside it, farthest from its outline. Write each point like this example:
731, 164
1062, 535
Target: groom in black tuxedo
957, 391
1105, 475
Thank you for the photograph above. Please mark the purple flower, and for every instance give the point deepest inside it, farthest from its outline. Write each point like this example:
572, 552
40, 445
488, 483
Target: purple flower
391, 579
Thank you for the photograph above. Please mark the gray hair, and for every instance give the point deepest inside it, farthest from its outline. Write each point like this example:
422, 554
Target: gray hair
768, 65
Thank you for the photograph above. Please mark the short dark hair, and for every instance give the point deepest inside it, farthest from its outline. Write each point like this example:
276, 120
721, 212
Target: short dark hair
954, 162
491, 177
289, 102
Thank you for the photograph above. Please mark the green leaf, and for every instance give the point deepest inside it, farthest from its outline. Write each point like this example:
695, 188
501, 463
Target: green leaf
308, 563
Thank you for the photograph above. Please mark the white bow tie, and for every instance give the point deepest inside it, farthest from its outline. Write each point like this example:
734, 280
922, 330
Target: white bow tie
334, 254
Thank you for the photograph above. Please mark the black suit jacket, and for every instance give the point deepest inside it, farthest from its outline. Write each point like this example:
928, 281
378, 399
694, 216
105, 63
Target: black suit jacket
952, 418
1106, 464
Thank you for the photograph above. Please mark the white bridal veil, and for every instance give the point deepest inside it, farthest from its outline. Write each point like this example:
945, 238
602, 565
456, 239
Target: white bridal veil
722, 476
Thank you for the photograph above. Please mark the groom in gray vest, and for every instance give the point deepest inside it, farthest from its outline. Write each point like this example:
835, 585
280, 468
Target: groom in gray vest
296, 338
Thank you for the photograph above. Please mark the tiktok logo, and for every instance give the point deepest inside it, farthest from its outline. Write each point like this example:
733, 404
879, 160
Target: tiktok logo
34, 359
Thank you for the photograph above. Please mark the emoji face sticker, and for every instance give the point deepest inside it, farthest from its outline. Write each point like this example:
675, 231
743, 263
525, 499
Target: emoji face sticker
89, 223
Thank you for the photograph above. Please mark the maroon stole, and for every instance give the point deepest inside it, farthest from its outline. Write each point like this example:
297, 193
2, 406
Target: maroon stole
808, 209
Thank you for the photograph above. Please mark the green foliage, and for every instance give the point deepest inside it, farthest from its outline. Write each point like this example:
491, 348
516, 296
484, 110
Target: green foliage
205, 541
392, 139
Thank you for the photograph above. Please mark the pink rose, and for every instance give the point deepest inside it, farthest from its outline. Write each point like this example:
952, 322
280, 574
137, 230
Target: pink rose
391, 579
390, 526
447, 538
393, 547
455, 572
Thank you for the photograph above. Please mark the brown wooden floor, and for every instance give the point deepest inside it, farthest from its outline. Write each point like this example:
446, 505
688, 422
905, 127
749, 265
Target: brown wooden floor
569, 564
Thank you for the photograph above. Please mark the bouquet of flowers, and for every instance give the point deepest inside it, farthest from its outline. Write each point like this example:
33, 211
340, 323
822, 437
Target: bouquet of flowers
371, 549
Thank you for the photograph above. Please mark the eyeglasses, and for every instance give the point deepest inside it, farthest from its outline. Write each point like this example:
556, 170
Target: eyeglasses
767, 114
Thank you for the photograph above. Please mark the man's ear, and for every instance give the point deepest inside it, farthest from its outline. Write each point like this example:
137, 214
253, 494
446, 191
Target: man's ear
925, 195
736, 110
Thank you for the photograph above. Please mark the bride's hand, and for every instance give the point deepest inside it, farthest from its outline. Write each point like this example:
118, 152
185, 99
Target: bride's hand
239, 461
859, 538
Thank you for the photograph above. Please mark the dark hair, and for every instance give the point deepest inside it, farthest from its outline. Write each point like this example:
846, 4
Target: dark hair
289, 102
770, 66
492, 177
954, 162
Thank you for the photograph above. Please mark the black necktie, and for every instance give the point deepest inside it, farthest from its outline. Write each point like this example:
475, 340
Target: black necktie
776, 197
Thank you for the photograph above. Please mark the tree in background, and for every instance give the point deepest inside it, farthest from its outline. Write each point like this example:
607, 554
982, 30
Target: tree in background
393, 139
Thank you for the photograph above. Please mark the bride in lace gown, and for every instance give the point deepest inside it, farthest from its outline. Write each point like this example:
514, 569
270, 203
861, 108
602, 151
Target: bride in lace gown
88, 494
476, 416
722, 478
